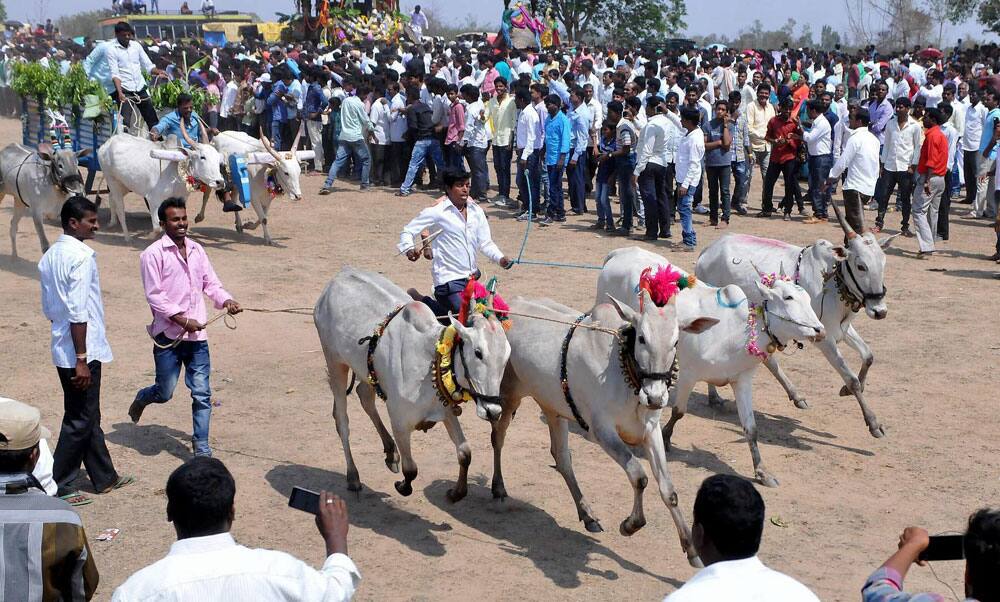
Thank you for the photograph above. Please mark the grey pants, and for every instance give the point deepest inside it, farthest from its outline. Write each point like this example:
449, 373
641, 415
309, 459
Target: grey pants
985, 205
925, 209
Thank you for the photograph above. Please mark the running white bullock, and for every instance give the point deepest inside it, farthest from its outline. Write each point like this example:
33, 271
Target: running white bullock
840, 281
612, 384
155, 171
751, 326
272, 173
40, 182
420, 367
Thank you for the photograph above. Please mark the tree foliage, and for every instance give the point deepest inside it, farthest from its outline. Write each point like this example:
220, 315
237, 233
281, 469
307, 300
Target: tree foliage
755, 36
3, 11
86, 23
619, 20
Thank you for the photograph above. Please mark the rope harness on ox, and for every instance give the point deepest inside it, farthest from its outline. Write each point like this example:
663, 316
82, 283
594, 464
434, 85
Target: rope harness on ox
631, 372
372, 344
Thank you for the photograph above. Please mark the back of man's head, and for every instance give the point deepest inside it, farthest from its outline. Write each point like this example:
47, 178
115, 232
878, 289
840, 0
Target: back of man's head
730, 513
200, 495
982, 555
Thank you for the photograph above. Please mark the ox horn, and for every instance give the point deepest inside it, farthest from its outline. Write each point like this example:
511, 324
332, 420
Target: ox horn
760, 272
268, 147
187, 138
781, 269
848, 230
298, 136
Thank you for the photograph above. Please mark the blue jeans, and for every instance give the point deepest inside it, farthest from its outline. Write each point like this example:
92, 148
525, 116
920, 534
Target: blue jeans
577, 176
555, 208
601, 195
476, 158
194, 357
528, 183
741, 175
277, 141
684, 205
421, 149
354, 148
819, 171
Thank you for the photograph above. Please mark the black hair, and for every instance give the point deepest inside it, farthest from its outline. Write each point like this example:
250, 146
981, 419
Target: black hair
452, 88
815, 105
863, 116
470, 91
122, 27
553, 99
903, 101
731, 514
692, 115
15, 460
764, 86
200, 495
76, 207
674, 94
935, 114
173, 202
982, 554
720, 102
735, 96
615, 107
182, 98
450, 177
522, 95
946, 111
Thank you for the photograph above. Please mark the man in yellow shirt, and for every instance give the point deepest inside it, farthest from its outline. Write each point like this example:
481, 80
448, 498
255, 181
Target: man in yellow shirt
501, 115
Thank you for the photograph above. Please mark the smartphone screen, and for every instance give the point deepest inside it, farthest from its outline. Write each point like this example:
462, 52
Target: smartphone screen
304, 500
945, 547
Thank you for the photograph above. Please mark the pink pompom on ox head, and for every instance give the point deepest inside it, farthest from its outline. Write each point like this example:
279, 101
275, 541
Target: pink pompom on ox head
661, 285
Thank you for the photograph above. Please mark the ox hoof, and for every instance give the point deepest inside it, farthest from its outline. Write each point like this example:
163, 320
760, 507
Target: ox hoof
877, 431
800, 403
404, 488
392, 463
199, 218
766, 479
695, 561
845, 391
629, 526
354, 486
499, 493
593, 525
456, 495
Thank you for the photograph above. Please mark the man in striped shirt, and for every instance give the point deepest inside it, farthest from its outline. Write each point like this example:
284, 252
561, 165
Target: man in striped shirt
45, 555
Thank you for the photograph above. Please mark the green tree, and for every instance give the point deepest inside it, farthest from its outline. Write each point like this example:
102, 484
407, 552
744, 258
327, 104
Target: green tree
619, 20
86, 23
828, 38
3, 11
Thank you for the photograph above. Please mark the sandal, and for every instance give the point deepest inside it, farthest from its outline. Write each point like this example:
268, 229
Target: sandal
121, 482
76, 499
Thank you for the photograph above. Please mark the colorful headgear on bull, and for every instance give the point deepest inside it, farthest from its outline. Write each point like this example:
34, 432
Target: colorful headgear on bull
769, 280
479, 299
663, 284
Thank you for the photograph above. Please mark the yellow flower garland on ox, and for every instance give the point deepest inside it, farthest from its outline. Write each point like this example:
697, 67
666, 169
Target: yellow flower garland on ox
444, 373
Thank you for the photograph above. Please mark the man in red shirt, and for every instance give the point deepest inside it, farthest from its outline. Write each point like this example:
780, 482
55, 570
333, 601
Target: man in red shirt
929, 183
784, 137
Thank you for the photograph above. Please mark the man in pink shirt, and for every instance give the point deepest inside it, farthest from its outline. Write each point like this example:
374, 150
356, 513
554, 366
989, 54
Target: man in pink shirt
486, 64
456, 129
176, 276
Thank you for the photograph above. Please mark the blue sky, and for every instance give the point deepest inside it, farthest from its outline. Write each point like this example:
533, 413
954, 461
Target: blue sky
702, 18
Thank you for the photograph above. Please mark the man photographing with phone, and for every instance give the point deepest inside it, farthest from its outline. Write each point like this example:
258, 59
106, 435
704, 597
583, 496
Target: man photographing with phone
206, 563
980, 548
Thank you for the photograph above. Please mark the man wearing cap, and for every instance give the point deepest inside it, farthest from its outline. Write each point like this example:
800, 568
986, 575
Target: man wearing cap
45, 553
71, 300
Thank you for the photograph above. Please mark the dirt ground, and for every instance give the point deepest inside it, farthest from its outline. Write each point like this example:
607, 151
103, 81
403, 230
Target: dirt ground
843, 499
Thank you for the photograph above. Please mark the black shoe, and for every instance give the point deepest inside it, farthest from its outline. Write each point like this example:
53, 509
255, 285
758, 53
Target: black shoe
401, 193
666, 236
230, 207
325, 191
645, 237
995, 257
599, 225
548, 221
906, 232
742, 211
365, 186
559, 219
764, 214
621, 232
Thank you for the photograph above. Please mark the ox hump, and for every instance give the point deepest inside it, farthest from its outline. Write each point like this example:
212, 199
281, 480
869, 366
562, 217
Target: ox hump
764, 242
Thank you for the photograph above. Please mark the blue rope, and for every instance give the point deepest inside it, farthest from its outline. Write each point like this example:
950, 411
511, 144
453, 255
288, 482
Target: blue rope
524, 243
718, 299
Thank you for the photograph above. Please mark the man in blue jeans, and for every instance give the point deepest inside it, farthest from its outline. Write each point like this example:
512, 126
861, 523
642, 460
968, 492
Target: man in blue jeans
690, 153
819, 142
558, 133
420, 128
355, 129
176, 276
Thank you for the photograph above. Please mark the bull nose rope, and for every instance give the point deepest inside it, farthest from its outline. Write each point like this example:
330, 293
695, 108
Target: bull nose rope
230, 321
524, 243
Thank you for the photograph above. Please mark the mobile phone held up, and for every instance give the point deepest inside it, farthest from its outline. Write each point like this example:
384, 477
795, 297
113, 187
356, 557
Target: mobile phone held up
944, 547
304, 500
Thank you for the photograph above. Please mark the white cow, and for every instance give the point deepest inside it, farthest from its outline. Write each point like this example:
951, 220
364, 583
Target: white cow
347, 314
40, 182
612, 385
840, 281
262, 161
154, 171
722, 356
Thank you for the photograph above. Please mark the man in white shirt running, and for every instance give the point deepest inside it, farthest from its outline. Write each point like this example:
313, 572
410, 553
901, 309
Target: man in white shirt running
728, 524
460, 232
206, 563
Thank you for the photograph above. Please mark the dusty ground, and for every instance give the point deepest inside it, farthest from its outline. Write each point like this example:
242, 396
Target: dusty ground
844, 495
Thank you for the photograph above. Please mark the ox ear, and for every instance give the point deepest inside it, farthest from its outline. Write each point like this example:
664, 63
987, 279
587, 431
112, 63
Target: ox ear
83, 152
839, 253
45, 151
886, 242
627, 313
462, 330
698, 325
765, 292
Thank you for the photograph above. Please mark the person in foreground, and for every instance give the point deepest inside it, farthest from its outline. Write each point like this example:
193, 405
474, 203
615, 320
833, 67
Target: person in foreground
728, 523
45, 555
982, 564
206, 563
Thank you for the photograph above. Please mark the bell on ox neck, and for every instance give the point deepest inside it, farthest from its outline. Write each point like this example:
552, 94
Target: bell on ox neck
771, 347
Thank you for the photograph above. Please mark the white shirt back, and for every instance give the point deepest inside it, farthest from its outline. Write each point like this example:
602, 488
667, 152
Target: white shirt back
746, 580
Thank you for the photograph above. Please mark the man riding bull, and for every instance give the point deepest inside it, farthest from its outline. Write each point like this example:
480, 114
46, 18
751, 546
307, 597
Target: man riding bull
188, 127
460, 231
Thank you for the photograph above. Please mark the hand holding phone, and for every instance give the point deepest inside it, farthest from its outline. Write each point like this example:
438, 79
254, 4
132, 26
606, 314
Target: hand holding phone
304, 500
944, 547
331, 516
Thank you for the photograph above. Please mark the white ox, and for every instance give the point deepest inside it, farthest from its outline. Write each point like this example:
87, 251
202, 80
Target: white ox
353, 304
596, 395
154, 171
721, 356
40, 182
840, 281
262, 161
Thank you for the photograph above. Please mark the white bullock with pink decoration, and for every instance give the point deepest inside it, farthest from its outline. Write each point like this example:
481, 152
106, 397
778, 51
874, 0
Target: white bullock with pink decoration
750, 329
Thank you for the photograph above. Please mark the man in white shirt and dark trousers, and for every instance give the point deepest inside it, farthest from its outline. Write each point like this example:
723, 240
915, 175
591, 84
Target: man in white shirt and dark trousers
206, 563
461, 232
900, 155
527, 154
860, 160
71, 300
819, 144
651, 169
126, 63
727, 529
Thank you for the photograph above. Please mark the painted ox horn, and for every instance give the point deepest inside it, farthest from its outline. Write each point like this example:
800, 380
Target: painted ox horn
268, 147
848, 230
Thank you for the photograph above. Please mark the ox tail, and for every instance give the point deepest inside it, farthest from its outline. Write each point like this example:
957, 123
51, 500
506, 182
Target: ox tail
354, 381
